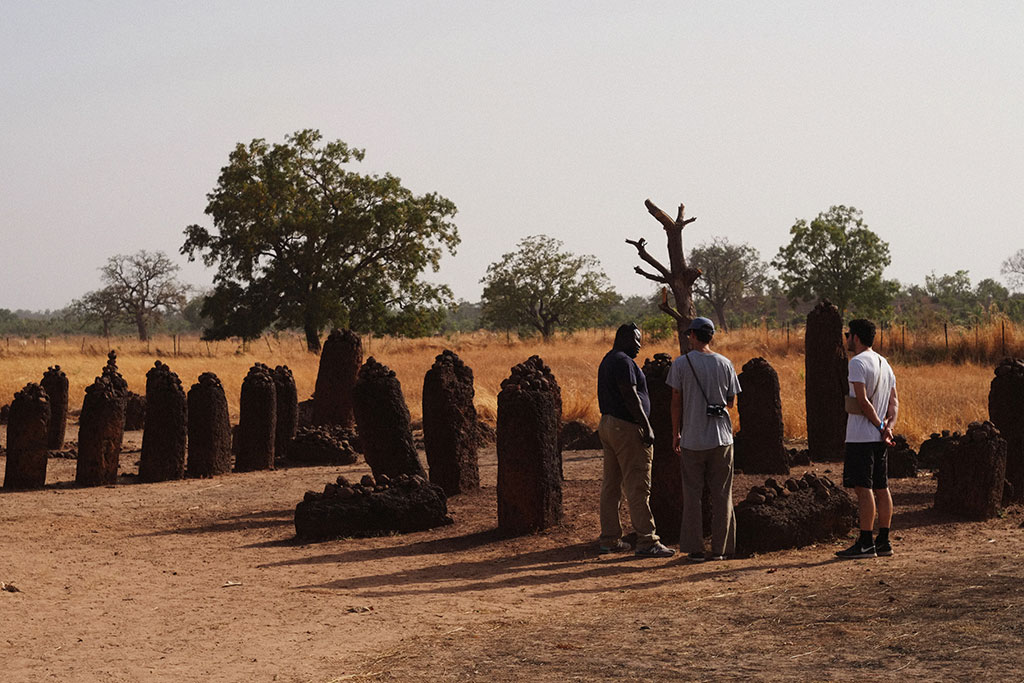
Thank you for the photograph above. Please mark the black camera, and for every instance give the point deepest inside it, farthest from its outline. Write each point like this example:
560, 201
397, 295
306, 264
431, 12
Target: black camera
716, 410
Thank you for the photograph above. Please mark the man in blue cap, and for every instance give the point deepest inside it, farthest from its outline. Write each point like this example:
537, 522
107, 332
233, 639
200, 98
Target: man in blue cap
704, 385
628, 441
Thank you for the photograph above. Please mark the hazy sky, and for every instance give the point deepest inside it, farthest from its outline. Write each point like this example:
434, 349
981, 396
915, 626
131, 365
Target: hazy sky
533, 117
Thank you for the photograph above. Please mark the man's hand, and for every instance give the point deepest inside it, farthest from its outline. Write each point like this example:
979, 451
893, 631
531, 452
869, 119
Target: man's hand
676, 446
647, 434
887, 436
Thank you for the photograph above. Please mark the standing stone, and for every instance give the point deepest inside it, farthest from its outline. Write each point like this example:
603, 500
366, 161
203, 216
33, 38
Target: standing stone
449, 425
287, 417
901, 458
529, 463
972, 474
759, 448
826, 382
116, 380
209, 428
134, 411
26, 439
166, 429
100, 431
340, 360
1006, 410
383, 422
55, 383
257, 420
666, 479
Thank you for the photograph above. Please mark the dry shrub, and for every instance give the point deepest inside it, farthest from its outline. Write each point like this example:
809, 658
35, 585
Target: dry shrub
936, 396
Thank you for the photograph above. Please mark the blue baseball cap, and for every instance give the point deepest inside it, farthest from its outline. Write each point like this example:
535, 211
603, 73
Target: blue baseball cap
702, 324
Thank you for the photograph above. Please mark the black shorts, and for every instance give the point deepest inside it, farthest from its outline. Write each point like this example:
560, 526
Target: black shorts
866, 466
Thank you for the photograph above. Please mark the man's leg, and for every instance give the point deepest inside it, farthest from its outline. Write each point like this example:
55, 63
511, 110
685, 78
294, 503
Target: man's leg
865, 508
883, 503
723, 523
636, 472
611, 483
857, 472
691, 535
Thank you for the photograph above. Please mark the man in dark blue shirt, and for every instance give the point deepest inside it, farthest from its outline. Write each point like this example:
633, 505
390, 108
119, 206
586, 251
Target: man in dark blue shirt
628, 441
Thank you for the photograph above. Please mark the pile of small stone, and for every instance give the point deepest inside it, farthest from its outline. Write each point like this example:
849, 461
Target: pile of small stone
371, 507
578, 436
792, 514
322, 446
932, 451
901, 458
972, 476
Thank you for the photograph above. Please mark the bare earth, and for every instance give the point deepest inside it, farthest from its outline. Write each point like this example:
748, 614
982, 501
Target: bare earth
201, 580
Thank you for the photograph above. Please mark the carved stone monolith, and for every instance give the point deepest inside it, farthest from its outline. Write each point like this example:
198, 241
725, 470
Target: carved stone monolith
100, 431
336, 378
759, 448
209, 428
257, 420
55, 383
529, 463
287, 417
1006, 410
450, 435
972, 474
26, 439
666, 481
825, 379
166, 431
383, 422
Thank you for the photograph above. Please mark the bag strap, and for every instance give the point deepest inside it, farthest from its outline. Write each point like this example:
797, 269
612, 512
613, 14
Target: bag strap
697, 378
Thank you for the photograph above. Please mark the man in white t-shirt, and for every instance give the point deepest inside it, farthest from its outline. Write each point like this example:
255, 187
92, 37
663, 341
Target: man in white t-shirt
869, 429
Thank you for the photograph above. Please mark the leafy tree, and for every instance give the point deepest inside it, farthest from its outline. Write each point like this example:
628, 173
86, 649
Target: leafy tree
101, 306
540, 286
989, 292
300, 241
729, 272
836, 257
953, 293
144, 287
1013, 269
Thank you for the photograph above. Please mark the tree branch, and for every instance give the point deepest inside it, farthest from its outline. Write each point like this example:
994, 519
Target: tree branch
660, 215
664, 306
650, 276
640, 245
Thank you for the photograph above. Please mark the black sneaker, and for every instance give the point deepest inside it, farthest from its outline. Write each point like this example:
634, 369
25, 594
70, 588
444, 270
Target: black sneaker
696, 557
883, 549
857, 552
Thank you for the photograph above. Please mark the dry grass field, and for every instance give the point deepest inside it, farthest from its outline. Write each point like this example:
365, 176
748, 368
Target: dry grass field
934, 396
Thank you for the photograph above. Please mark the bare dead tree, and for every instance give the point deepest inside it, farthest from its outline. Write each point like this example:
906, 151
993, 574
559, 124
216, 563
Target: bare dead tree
678, 276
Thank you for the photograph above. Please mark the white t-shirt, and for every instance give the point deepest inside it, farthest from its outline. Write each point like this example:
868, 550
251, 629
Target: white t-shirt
878, 379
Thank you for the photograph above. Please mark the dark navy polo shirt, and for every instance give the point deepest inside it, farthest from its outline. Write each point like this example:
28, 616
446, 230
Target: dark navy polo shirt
614, 366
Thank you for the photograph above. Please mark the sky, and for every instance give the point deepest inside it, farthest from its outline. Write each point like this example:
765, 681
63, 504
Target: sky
556, 118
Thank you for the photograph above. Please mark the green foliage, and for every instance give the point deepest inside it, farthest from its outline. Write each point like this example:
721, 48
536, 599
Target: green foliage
300, 241
543, 288
730, 272
836, 257
1013, 269
142, 286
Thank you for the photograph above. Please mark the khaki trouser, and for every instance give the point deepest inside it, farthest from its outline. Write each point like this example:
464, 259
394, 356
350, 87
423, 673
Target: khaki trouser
714, 466
627, 469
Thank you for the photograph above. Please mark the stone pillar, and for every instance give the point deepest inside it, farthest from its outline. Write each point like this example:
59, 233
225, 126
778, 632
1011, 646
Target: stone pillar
55, 383
257, 420
666, 479
1006, 410
759, 448
449, 425
209, 428
529, 463
26, 439
383, 423
165, 431
340, 361
826, 383
972, 474
287, 417
100, 432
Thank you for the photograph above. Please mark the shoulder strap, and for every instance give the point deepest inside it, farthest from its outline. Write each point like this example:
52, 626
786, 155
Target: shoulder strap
687, 356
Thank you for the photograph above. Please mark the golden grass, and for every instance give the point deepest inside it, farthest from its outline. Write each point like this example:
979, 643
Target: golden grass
933, 397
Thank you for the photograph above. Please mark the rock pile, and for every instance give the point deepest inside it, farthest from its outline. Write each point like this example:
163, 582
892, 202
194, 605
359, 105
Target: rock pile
901, 458
321, 446
936, 448
972, 474
578, 436
529, 462
795, 513
373, 507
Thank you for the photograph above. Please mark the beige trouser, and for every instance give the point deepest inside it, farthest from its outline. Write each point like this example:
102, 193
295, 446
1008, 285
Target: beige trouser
627, 469
714, 466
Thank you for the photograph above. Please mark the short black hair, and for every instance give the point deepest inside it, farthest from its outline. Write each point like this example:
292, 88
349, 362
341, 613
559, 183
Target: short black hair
864, 329
703, 335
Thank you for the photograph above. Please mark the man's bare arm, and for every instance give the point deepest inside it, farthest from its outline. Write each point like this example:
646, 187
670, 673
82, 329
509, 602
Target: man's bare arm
677, 418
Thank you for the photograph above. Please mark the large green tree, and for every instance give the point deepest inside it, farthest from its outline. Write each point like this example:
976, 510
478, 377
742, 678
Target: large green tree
836, 257
729, 272
542, 287
301, 241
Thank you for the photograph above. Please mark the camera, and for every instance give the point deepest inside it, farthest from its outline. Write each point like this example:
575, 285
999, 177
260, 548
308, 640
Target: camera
716, 410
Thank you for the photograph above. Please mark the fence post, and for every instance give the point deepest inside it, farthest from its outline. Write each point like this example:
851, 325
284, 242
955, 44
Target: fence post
1004, 337
945, 330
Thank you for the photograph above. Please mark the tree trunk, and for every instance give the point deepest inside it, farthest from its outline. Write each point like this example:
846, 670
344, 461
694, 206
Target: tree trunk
312, 338
140, 323
720, 314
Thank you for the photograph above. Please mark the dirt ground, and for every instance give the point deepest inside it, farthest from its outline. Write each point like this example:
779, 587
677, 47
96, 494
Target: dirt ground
201, 580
